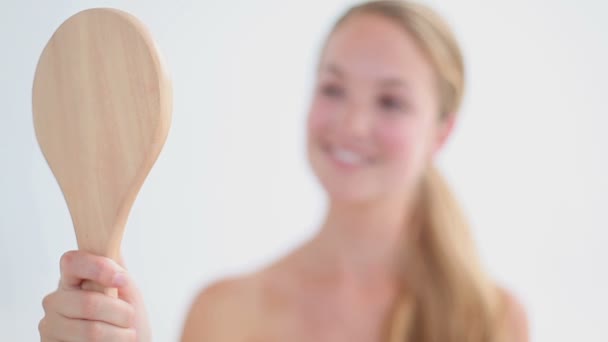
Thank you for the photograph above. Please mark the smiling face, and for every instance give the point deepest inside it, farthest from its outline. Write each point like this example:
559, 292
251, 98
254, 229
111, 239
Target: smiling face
374, 122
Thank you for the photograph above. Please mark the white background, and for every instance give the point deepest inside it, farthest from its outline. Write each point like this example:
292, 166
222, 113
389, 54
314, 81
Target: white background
231, 190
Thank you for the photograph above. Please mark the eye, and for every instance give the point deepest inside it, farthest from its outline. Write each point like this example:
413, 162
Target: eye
332, 90
390, 103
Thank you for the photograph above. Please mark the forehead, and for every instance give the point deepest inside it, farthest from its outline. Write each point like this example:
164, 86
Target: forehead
371, 46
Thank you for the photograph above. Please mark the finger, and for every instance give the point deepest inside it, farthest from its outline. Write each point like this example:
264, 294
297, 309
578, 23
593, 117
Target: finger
59, 328
77, 266
93, 306
47, 330
42, 330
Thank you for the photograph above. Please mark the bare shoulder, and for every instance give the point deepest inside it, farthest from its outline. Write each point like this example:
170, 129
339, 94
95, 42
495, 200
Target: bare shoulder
515, 318
241, 308
221, 312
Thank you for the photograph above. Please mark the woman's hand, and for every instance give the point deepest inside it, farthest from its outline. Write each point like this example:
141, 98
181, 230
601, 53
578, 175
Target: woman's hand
74, 315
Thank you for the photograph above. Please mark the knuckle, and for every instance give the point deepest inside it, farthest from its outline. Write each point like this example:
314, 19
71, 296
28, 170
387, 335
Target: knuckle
99, 268
47, 302
42, 327
66, 259
94, 332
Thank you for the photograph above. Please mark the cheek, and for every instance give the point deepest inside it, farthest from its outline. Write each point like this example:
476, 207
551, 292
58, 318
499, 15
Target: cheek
395, 141
319, 118
403, 146
316, 122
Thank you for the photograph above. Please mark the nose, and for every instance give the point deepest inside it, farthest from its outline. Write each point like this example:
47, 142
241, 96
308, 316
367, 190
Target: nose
354, 121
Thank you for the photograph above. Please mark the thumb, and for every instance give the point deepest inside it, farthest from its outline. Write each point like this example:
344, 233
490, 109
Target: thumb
127, 290
79, 266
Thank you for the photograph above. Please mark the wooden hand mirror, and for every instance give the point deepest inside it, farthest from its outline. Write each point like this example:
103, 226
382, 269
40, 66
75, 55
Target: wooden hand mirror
101, 103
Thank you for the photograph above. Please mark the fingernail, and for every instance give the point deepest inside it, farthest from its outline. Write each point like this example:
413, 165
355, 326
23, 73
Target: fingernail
119, 279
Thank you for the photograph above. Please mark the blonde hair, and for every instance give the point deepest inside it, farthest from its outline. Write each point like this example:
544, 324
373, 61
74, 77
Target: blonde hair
447, 296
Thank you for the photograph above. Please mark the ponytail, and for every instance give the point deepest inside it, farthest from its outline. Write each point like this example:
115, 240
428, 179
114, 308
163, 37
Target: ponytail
446, 297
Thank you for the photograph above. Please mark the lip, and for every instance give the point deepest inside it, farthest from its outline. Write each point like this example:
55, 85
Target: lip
340, 163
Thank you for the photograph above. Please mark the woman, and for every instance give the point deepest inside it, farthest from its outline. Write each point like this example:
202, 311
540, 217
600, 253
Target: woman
393, 260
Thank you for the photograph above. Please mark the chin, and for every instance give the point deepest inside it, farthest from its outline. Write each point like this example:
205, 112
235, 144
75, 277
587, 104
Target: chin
341, 180
347, 188
346, 194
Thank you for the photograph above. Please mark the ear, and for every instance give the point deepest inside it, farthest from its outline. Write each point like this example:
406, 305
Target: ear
446, 126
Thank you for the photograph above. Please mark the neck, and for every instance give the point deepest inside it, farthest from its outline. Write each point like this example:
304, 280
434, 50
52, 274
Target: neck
364, 241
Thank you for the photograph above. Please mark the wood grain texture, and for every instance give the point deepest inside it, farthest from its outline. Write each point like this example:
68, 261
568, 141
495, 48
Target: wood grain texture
102, 104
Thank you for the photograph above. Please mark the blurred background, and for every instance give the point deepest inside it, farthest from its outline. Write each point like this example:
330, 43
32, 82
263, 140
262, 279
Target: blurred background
232, 190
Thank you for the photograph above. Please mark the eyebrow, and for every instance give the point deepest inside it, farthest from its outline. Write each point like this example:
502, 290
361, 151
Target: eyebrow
385, 82
334, 69
393, 82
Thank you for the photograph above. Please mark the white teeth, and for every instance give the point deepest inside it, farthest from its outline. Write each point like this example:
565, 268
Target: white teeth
348, 157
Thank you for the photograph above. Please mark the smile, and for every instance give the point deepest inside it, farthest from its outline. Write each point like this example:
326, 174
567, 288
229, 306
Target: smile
347, 158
